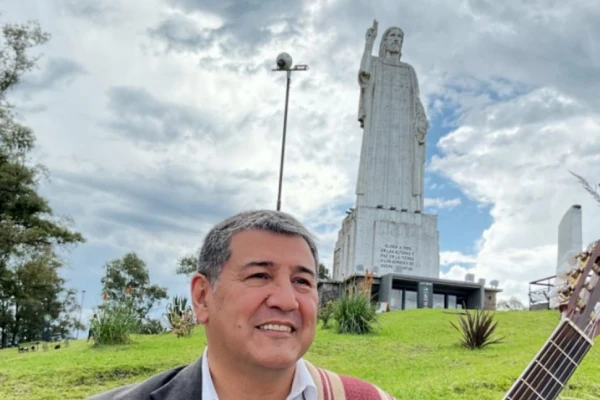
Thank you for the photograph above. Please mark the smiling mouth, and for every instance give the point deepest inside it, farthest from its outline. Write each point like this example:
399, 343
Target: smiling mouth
276, 328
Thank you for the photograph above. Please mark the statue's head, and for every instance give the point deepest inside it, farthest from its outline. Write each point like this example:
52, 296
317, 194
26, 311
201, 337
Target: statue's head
391, 43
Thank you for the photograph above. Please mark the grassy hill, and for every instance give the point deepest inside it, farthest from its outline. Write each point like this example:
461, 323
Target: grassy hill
415, 355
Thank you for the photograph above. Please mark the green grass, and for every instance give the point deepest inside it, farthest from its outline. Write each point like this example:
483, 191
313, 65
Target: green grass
414, 355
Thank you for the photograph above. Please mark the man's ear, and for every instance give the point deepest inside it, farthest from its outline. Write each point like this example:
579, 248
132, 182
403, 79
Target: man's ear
201, 289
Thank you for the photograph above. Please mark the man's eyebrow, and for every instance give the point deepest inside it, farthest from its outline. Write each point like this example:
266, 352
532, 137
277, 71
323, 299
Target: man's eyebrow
259, 264
302, 268
265, 263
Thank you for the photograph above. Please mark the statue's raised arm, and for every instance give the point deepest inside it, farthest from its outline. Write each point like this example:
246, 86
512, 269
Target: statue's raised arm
365, 65
364, 74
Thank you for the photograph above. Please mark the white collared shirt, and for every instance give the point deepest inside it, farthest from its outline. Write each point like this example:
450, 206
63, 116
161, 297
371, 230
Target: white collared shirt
303, 382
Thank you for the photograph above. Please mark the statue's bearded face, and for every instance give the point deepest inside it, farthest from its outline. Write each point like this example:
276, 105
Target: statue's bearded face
393, 41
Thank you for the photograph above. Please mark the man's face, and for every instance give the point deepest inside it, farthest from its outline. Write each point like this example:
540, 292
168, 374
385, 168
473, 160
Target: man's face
394, 41
263, 311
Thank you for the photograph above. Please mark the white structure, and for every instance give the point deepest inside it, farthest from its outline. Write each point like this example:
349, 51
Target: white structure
387, 231
570, 240
570, 243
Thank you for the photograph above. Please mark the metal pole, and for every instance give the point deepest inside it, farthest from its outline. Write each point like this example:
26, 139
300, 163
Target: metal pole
287, 95
80, 311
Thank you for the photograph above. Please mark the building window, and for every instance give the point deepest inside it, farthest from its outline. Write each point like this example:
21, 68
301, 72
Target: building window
452, 301
396, 300
410, 299
438, 300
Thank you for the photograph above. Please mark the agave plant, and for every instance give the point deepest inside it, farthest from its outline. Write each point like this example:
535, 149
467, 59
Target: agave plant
477, 328
176, 310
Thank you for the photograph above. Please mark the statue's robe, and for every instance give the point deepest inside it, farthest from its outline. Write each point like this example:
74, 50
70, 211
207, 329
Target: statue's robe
392, 159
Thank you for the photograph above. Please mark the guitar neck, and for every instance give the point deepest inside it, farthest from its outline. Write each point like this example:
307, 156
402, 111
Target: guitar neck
546, 376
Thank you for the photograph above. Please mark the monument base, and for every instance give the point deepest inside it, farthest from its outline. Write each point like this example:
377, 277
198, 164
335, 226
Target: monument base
387, 241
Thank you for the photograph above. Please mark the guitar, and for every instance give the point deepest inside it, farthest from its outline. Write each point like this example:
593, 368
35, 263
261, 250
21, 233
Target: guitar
579, 302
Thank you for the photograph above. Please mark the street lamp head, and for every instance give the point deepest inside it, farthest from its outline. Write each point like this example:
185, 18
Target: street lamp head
284, 61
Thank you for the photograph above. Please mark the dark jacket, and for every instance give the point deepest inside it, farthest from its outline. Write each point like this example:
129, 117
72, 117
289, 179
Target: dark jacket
175, 384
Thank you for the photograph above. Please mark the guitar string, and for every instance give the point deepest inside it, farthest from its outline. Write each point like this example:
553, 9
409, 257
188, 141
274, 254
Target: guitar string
560, 348
577, 357
578, 345
583, 345
568, 353
573, 352
562, 336
566, 333
522, 389
538, 366
532, 391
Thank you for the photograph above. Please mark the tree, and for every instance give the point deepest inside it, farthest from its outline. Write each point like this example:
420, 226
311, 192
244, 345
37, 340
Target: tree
512, 304
323, 272
29, 232
187, 265
67, 320
128, 279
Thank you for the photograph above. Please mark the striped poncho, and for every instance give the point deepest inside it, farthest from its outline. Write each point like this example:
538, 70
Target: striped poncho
331, 386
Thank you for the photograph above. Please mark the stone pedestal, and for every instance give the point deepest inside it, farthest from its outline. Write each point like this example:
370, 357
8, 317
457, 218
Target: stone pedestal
387, 241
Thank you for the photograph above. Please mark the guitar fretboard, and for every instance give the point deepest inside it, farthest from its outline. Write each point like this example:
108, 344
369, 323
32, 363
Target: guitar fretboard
547, 374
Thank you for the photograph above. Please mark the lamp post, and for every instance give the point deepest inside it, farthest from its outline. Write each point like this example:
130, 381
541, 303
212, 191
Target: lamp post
284, 63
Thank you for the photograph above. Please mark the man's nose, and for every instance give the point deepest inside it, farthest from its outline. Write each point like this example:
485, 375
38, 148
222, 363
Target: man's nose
283, 296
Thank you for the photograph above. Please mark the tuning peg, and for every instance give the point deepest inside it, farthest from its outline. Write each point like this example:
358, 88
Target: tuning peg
595, 313
583, 299
584, 255
566, 291
591, 283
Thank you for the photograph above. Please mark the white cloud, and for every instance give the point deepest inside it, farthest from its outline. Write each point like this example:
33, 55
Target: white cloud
452, 257
519, 165
521, 82
442, 203
455, 273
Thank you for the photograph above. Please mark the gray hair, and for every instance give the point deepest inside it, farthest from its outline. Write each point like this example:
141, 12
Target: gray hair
216, 249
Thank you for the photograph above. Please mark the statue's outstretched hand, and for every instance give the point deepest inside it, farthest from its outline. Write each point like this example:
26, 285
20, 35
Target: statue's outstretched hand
372, 33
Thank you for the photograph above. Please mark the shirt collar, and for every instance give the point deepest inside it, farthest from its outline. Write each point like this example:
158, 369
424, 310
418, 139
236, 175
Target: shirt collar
303, 382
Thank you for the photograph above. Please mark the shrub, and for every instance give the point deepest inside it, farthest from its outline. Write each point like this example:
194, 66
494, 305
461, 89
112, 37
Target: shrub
355, 314
151, 327
184, 325
113, 323
326, 312
477, 328
180, 317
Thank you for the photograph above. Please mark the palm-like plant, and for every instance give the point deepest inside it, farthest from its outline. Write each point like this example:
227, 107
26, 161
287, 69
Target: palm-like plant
477, 328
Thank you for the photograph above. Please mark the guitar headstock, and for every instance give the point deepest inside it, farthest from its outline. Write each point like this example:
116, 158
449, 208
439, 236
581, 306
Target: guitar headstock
579, 296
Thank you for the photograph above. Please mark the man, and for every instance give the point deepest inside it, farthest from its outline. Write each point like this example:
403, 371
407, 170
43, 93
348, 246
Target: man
256, 294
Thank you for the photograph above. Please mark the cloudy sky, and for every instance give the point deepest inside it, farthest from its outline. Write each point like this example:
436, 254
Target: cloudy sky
158, 118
